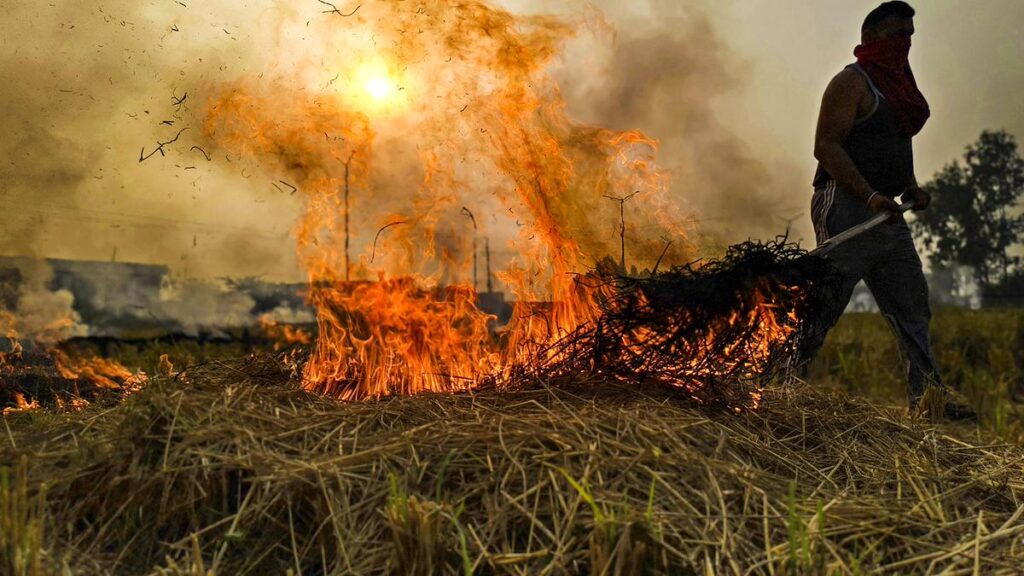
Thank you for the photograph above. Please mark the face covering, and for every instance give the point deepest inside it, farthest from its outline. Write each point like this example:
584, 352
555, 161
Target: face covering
887, 63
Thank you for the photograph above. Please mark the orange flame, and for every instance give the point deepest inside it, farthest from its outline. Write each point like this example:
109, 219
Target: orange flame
100, 372
476, 121
281, 334
21, 405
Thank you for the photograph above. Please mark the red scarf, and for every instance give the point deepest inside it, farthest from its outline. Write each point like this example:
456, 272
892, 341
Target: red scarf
887, 63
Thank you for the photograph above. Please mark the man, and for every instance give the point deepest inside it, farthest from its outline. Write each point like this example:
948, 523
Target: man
869, 114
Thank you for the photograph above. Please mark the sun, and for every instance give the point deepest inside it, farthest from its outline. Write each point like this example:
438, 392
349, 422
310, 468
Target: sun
376, 86
380, 87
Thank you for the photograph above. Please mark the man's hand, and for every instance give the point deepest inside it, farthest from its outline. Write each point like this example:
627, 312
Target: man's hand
919, 197
882, 203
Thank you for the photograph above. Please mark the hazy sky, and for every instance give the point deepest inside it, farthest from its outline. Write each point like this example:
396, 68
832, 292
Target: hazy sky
87, 84
968, 57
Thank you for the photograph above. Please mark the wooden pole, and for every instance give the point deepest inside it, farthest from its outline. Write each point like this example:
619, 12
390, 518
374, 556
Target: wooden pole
622, 226
348, 268
476, 284
487, 248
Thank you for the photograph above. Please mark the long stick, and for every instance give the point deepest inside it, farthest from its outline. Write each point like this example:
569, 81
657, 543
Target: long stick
857, 230
487, 248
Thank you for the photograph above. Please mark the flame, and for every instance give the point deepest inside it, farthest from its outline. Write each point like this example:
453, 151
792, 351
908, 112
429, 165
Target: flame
165, 367
100, 372
74, 404
21, 405
460, 113
44, 341
282, 334
395, 337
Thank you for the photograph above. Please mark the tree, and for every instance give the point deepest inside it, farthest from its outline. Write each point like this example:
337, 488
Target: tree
975, 218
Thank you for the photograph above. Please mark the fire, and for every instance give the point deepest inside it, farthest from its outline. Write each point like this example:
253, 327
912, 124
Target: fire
282, 335
395, 337
21, 405
473, 120
100, 372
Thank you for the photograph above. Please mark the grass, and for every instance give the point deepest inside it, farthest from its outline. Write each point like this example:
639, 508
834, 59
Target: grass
22, 522
231, 469
979, 352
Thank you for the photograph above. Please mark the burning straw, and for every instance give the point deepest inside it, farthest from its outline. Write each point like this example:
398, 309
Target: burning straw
718, 330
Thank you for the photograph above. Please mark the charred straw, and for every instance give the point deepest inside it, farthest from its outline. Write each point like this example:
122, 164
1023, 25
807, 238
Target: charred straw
718, 329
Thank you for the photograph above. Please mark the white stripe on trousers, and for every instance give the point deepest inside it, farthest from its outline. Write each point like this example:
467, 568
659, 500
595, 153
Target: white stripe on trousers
820, 215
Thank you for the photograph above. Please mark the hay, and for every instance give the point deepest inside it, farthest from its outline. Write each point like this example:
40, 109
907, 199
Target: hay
232, 469
717, 329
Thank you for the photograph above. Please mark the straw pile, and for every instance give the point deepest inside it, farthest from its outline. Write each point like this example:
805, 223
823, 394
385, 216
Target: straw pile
716, 329
231, 469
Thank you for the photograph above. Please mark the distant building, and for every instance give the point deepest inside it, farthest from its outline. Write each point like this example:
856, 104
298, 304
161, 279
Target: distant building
955, 287
948, 287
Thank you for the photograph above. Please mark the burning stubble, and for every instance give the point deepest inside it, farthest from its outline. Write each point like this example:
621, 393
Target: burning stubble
479, 124
385, 134
473, 119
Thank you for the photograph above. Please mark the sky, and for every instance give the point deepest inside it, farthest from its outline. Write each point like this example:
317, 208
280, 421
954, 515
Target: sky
731, 88
968, 57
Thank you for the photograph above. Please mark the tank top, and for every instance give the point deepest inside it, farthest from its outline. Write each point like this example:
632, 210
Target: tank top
884, 156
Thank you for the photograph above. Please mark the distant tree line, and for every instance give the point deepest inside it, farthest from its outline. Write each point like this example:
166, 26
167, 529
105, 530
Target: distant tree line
976, 218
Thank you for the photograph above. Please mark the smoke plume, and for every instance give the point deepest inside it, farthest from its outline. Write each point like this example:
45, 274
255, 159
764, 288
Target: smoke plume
92, 88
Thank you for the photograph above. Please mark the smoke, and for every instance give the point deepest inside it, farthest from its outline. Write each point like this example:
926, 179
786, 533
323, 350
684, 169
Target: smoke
88, 86
197, 306
664, 74
47, 303
38, 313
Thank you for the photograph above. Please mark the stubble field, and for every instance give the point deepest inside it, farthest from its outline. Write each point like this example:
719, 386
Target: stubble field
229, 468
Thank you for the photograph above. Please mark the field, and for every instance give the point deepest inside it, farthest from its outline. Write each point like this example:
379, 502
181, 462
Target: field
979, 352
230, 469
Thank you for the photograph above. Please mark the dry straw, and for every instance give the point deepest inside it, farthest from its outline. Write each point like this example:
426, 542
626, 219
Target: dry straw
233, 470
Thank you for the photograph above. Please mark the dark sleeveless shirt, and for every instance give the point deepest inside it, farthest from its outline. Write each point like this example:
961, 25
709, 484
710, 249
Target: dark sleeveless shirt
879, 151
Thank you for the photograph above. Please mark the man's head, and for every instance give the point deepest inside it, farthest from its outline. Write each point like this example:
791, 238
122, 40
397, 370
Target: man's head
890, 20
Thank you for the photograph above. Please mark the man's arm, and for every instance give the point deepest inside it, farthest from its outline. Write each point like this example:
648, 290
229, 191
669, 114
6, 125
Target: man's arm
914, 192
835, 122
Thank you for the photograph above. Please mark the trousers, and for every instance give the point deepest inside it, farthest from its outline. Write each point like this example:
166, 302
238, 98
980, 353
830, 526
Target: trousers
887, 260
